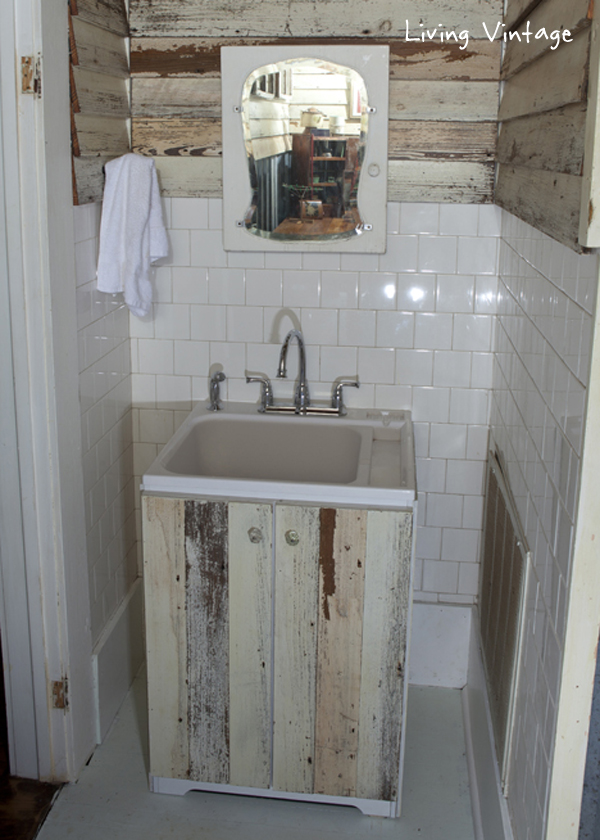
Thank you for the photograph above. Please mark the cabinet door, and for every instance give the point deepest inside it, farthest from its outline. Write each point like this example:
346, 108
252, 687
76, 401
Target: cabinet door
208, 572
342, 581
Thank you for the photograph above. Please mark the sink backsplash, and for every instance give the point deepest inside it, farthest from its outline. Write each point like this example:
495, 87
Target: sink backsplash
415, 324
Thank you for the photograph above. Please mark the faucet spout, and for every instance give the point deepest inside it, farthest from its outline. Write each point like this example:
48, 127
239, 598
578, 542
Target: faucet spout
302, 397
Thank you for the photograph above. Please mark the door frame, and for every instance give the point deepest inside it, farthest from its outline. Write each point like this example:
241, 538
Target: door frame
44, 594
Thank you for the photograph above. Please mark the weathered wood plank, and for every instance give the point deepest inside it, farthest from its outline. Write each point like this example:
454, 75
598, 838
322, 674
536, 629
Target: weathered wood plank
89, 178
432, 60
107, 14
553, 16
341, 594
207, 591
100, 50
427, 139
215, 19
181, 98
201, 137
383, 673
444, 101
98, 93
102, 135
549, 201
589, 221
417, 100
166, 635
250, 578
190, 176
516, 10
530, 92
440, 181
553, 140
410, 140
295, 640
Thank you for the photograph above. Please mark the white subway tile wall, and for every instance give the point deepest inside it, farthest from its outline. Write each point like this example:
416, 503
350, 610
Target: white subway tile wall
542, 349
106, 419
416, 324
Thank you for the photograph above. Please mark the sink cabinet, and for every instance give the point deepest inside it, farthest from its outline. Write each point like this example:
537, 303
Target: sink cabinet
277, 649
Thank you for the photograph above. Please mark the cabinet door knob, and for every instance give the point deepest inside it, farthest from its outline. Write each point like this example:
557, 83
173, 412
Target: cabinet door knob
292, 537
255, 535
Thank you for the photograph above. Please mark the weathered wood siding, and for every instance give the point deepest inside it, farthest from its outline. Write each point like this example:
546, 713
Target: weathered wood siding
99, 78
543, 114
443, 99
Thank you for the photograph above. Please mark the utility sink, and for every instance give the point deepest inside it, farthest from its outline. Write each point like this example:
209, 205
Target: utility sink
365, 457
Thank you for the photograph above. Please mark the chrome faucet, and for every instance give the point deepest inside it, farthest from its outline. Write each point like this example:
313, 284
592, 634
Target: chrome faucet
302, 397
214, 390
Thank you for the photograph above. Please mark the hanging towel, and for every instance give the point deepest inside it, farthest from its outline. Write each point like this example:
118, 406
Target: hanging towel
132, 231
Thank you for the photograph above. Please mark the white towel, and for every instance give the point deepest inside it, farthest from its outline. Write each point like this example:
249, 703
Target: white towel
132, 231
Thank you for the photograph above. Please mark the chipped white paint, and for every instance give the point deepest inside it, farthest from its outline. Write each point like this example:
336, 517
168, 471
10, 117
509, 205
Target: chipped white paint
250, 577
296, 594
166, 637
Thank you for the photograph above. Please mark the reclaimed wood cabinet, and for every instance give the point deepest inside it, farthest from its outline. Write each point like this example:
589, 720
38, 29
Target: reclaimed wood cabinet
277, 649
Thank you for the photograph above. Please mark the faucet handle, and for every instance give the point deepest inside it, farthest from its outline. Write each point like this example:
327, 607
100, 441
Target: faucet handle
266, 390
215, 396
337, 397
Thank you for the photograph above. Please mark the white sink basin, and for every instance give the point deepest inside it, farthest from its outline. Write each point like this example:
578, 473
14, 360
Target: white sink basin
366, 457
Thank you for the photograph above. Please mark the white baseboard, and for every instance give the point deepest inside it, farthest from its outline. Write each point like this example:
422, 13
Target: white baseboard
117, 657
490, 811
439, 645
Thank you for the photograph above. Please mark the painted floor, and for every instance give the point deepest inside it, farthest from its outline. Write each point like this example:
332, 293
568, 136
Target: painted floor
111, 799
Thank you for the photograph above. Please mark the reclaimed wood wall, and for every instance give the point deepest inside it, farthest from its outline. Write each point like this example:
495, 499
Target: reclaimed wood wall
443, 99
292, 675
99, 80
543, 115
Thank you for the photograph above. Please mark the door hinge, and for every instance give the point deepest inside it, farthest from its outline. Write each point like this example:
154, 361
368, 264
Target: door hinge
31, 74
60, 694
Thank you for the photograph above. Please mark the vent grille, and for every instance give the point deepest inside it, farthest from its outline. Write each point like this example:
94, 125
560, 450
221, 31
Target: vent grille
504, 569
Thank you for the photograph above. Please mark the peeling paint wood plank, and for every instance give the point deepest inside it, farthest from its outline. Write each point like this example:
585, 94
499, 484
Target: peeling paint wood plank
516, 10
89, 178
99, 93
427, 139
340, 624
190, 176
295, 640
106, 14
201, 137
418, 140
176, 98
102, 135
549, 201
250, 579
438, 181
553, 140
445, 101
383, 673
207, 590
552, 15
200, 57
441, 181
100, 50
413, 100
530, 91
272, 18
166, 635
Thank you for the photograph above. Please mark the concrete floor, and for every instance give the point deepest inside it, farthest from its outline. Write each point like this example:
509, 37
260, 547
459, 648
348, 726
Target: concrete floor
111, 799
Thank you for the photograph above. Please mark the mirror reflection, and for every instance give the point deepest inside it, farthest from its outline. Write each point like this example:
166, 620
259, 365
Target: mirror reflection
305, 127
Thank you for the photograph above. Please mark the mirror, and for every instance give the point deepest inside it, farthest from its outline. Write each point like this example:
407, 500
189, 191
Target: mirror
305, 124
305, 148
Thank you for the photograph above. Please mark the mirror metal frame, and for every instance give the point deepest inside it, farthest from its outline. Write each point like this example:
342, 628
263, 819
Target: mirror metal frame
372, 63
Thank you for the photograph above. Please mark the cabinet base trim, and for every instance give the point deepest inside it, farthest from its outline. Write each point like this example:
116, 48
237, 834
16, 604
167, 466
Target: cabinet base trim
179, 787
